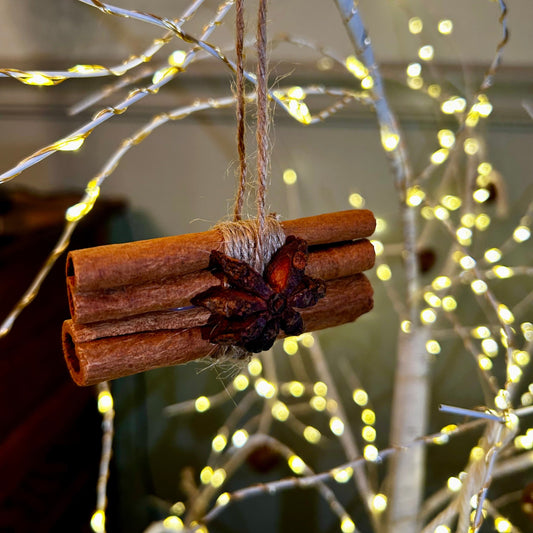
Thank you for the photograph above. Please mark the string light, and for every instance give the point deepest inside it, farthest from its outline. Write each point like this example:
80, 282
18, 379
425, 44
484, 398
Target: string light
414, 69
428, 316
318, 403
356, 200
360, 397
527, 331
503, 525
432, 299
446, 138
384, 272
368, 433
441, 528
336, 425
438, 157
264, 388
280, 411
368, 417
342, 475
389, 139
370, 453
426, 52
454, 484
484, 362
415, 196
357, 68
445, 26
206, 474
347, 525
489, 347
493, 255
177, 58
296, 464
454, 104
441, 282
289, 176
174, 523
320, 388
415, 83
481, 195
178, 508
202, 404
502, 271
290, 345
484, 168
379, 503
481, 332
255, 367
441, 212
434, 90
482, 221
468, 220
505, 314
471, 146
105, 401
521, 234
449, 303
415, 25
378, 247
223, 499
381, 225
218, 477
433, 347
241, 382
296, 388
312, 435
405, 326
219, 443
479, 286
98, 521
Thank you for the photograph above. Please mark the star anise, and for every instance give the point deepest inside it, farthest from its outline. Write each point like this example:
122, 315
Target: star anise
249, 310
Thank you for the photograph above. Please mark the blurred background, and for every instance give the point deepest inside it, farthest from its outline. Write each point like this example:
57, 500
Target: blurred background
181, 179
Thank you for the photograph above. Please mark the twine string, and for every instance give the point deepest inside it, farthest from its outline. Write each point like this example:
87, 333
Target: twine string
240, 111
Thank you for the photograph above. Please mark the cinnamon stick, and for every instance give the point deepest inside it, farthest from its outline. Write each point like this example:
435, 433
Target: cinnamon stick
108, 358
325, 262
140, 262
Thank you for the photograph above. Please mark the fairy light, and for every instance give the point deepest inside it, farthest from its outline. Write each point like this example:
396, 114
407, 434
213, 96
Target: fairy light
318, 403
428, 316
482, 221
347, 525
526, 399
98, 521
367, 82
457, 255
368, 416
514, 373
489, 347
178, 508
503, 525
174, 523
219, 443
505, 314
69, 145
472, 118
434, 90
320, 388
527, 331
105, 401
202, 404
389, 139
502, 272
177, 58
415, 83
163, 74
427, 212
414, 69
454, 104
296, 464
280, 411
433, 347
360, 397
481, 195
521, 234
336, 425
357, 68
241, 382
312, 435
464, 236
289, 176
206, 474
432, 299
468, 220
223, 499
325, 63
379, 503
445, 26
426, 52
467, 262
415, 196
370, 453
356, 200
481, 332
471, 146
438, 157
415, 25
484, 362
479, 286
405, 326
484, 168
384, 272
218, 478
502, 400
264, 388
378, 247
255, 367
521, 357
296, 388
307, 339
446, 138
454, 484
449, 303
381, 225
493, 255
441, 212
290, 345
441, 528
299, 111
368, 433
441, 282
342, 475
483, 107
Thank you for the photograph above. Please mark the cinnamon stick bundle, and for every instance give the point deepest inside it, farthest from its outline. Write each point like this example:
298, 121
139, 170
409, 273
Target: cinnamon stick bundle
92, 358
131, 303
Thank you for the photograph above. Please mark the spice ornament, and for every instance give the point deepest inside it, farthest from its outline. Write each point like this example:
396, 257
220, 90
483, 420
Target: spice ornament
149, 304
